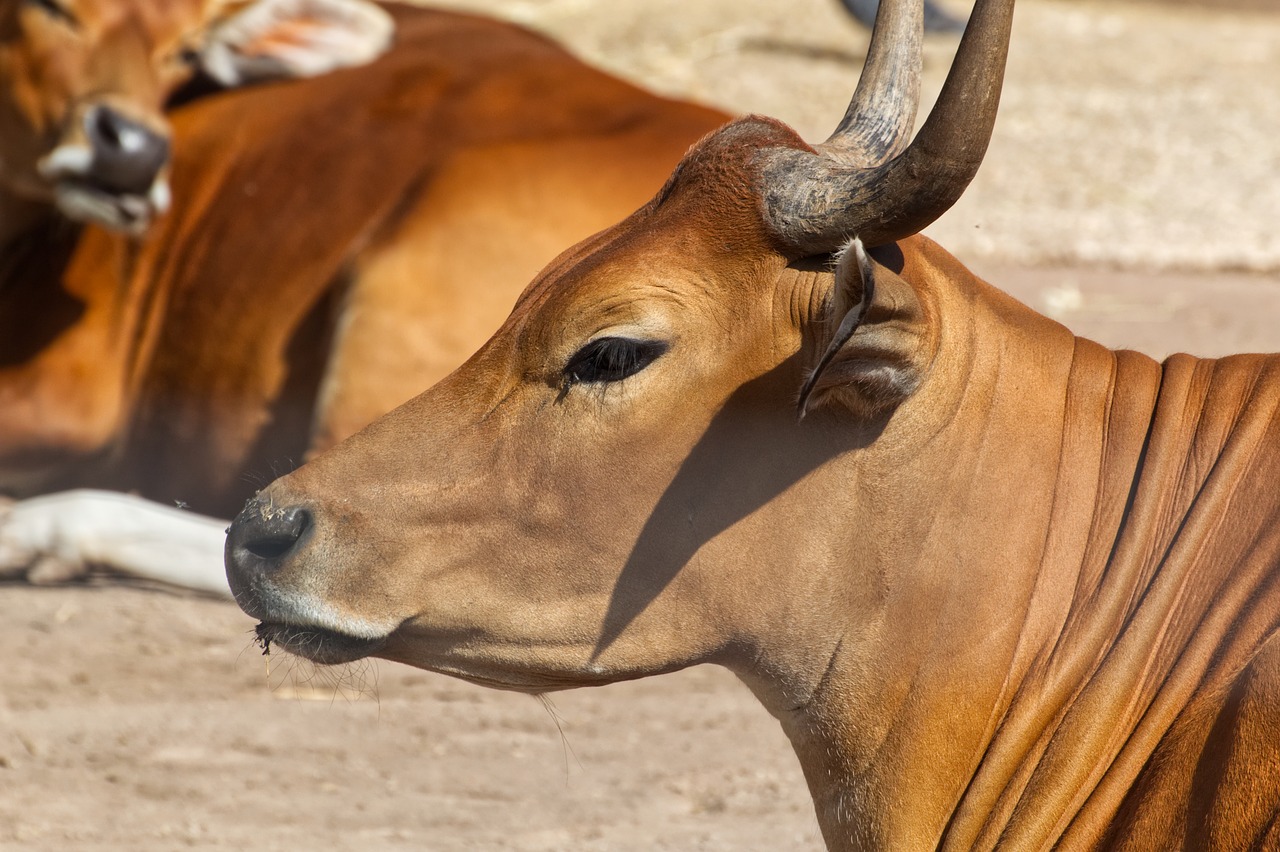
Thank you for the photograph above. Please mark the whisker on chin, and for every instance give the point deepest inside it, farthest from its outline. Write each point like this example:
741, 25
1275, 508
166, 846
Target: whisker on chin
353, 681
566, 748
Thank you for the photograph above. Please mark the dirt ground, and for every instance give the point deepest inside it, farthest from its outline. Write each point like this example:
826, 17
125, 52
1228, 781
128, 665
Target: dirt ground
1133, 191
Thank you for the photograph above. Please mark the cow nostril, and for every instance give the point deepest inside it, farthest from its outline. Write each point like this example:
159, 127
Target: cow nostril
128, 155
273, 533
113, 131
271, 547
103, 128
260, 543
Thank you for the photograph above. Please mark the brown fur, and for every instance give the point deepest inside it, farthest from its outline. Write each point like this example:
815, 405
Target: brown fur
1032, 605
334, 245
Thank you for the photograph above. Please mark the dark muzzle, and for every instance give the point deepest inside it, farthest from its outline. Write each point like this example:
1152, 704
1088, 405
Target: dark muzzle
128, 156
260, 540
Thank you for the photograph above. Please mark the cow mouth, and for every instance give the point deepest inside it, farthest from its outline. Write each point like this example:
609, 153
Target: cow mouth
81, 196
317, 644
132, 213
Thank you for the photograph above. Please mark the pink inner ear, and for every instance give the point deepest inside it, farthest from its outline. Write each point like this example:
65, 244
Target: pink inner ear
295, 33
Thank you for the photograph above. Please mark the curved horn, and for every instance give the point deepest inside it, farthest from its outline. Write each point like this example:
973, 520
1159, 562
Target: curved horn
877, 125
815, 203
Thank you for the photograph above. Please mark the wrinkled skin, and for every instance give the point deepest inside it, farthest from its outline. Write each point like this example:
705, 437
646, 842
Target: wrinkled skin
996, 586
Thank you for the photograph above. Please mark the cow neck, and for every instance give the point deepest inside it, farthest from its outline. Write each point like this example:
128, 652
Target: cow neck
1056, 583
33, 256
1174, 593
21, 220
948, 514
75, 312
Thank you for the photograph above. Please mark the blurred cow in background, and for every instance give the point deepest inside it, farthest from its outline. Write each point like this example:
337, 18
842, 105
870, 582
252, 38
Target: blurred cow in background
332, 245
84, 84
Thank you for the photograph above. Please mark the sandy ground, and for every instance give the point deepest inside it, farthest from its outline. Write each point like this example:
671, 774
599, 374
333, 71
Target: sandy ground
1133, 191
1138, 135
139, 720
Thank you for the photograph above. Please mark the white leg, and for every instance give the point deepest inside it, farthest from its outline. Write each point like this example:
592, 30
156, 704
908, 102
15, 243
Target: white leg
130, 535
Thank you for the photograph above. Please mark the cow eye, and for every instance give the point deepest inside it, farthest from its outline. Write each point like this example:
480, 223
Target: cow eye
611, 359
186, 55
55, 10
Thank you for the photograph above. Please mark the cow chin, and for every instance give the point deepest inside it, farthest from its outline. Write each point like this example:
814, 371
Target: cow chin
494, 675
127, 213
529, 683
317, 644
310, 628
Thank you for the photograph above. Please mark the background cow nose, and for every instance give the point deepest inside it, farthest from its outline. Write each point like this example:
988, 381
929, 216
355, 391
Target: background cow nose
127, 155
261, 538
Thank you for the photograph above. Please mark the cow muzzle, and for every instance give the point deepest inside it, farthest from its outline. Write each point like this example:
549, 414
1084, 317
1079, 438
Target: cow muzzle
262, 536
260, 542
264, 544
110, 169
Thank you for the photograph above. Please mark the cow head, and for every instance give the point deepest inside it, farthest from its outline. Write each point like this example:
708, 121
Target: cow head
83, 84
616, 484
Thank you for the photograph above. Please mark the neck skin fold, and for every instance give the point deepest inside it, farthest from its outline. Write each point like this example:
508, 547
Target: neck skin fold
1018, 551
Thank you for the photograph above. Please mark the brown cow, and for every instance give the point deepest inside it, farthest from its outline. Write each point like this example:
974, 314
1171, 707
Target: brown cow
84, 82
334, 245
1002, 587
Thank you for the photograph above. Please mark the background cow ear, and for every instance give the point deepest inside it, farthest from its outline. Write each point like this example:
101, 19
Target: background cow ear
877, 340
274, 39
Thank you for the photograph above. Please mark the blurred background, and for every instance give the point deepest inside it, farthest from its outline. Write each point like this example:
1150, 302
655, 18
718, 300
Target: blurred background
1131, 134
1133, 138
1132, 190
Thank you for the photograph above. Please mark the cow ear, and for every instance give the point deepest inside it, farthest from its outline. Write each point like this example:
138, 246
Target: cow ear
274, 39
877, 341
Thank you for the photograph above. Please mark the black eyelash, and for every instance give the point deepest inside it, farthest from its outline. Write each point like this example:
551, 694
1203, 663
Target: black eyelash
55, 10
611, 359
